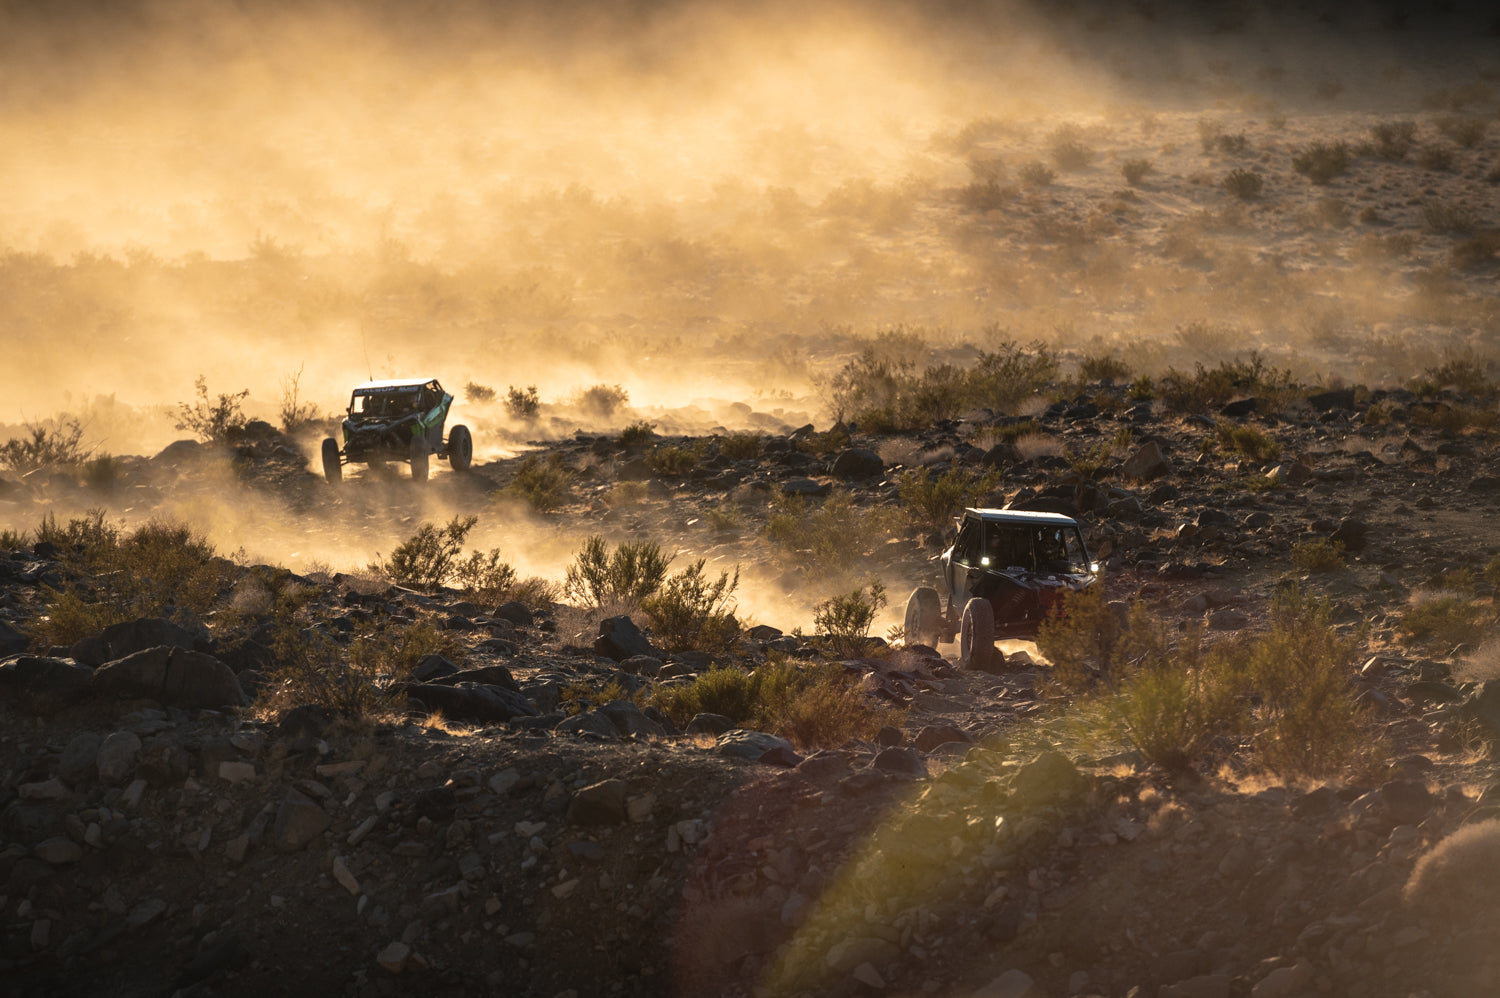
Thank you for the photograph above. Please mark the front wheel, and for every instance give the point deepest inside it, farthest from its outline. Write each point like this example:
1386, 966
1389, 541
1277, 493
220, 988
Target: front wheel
460, 448
976, 635
924, 613
333, 466
418, 458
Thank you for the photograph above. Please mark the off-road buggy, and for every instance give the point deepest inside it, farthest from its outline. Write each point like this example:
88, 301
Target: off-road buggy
1005, 571
398, 420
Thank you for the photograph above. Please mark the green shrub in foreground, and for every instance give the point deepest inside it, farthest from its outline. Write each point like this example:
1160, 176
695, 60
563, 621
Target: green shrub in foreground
844, 621
691, 612
633, 571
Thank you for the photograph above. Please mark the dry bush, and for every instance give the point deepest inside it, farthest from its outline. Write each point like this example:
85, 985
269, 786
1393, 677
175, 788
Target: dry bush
426, 559
1035, 174
672, 461
522, 403
296, 415
1135, 170
1319, 555
742, 446
1243, 184
1458, 879
1247, 441
931, 501
213, 420
1321, 162
1330, 213
56, 443
1209, 388
1446, 618
985, 195
599, 577
542, 483
829, 538
1448, 217
602, 400
1393, 139
1080, 639
1104, 367
689, 611
1466, 132
478, 394
637, 434
1439, 158
1067, 149
843, 621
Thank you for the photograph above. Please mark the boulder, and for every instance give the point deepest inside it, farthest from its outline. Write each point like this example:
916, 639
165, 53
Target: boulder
1351, 533
602, 803
1146, 463
741, 743
482, 702
629, 720
132, 636
933, 735
432, 667
517, 613
299, 820
489, 675
1049, 778
76, 764
12, 641
1341, 398
857, 462
620, 639
900, 759
45, 685
172, 676
709, 724
117, 758
589, 723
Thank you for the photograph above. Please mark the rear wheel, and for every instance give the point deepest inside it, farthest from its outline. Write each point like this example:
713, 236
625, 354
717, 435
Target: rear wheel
976, 635
924, 613
333, 466
419, 459
460, 448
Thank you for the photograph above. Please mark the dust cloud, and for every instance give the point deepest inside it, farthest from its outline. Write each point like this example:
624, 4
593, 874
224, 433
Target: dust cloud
709, 203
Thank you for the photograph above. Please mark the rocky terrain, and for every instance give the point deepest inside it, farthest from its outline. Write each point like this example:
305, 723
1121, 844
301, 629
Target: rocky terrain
512, 828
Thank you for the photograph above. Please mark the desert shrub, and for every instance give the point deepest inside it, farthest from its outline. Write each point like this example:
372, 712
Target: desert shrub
742, 446
426, 559
1304, 717
1103, 367
1243, 184
602, 400
844, 621
1448, 216
395, 649
1208, 388
1477, 252
12, 540
157, 569
671, 461
724, 689
214, 420
1068, 150
1461, 130
535, 591
624, 577
1080, 638
828, 711
1319, 555
1136, 170
691, 612
1447, 618
1209, 132
1174, 704
625, 493
830, 441
1232, 145
985, 195
542, 483
1460, 370
884, 393
637, 434
53, 444
1035, 174
1330, 213
296, 415
832, 536
484, 576
1247, 441
1089, 461
522, 403
1452, 418
724, 518
931, 501
1320, 162
479, 394
1439, 158
1456, 880
1393, 139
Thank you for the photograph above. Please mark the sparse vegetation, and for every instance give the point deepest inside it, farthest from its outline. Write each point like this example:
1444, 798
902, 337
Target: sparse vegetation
1068, 150
429, 558
691, 611
1104, 368
212, 420
1321, 162
1393, 139
1463, 131
1447, 618
1319, 555
55, 443
1438, 158
1243, 184
542, 483
931, 501
522, 403
479, 394
637, 434
844, 621
1036, 174
623, 577
296, 416
672, 461
1247, 441
742, 446
602, 400
1209, 388
831, 536
1135, 170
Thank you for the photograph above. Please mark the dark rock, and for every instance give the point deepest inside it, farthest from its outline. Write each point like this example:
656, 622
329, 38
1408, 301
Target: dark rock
628, 719
227, 954
744, 744
172, 676
308, 720
709, 724
12, 641
1328, 401
824, 763
1316, 803
482, 702
486, 675
432, 667
1239, 408
641, 665
1351, 533
889, 736
933, 735
763, 632
299, 820
907, 761
1049, 778
620, 639
589, 723
1001, 455
804, 487
1146, 463
602, 803
45, 685
76, 764
179, 452
780, 755
517, 613
1407, 801
857, 462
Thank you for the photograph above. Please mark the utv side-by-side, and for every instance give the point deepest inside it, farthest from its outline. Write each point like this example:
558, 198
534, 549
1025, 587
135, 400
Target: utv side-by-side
398, 420
1005, 571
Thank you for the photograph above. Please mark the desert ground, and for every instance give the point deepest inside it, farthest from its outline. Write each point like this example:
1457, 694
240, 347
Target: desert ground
767, 296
